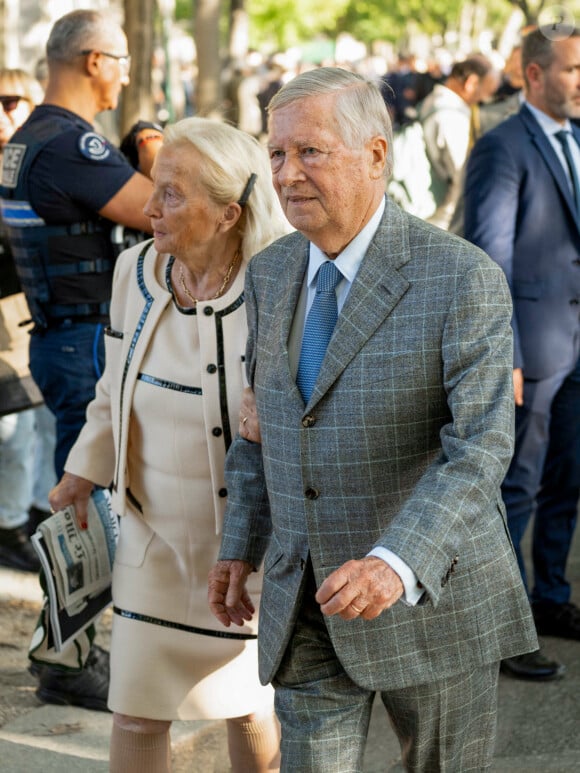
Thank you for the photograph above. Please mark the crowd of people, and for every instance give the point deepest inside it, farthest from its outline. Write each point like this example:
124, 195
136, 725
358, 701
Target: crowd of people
325, 423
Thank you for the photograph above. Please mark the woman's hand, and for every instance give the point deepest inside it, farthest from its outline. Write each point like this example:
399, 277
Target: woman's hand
72, 490
249, 427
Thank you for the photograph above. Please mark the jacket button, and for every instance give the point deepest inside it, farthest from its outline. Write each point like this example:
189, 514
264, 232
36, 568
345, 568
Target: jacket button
311, 493
211, 368
308, 421
216, 431
223, 492
208, 311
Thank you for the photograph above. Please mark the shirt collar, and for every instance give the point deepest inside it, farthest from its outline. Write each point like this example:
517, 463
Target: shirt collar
548, 125
349, 260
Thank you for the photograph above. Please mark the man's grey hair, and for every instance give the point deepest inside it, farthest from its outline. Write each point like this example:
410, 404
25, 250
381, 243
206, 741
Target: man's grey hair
360, 110
75, 32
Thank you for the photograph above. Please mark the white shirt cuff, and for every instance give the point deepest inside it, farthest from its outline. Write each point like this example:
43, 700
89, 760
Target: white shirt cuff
413, 589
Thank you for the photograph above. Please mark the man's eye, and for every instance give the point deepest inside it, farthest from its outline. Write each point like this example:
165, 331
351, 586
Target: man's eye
310, 151
276, 154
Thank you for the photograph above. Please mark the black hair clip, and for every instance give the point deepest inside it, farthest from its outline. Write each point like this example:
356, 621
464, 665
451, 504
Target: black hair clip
243, 200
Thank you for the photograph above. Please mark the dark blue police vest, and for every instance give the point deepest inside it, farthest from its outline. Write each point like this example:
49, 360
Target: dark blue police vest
65, 270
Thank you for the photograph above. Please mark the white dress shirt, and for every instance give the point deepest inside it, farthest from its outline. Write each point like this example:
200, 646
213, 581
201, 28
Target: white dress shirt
550, 127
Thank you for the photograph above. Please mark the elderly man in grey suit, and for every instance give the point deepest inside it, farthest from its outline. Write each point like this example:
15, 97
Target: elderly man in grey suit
374, 497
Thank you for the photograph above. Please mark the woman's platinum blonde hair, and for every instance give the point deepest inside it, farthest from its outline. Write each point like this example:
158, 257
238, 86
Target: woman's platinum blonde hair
230, 158
18, 83
360, 110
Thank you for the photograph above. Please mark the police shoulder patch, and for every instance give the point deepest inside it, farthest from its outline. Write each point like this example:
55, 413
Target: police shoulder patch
94, 146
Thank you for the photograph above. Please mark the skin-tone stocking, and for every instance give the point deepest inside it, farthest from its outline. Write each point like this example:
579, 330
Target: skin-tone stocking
254, 744
134, 750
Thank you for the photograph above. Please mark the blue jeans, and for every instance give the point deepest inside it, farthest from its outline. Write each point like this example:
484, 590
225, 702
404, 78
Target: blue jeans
66, 363
26, 464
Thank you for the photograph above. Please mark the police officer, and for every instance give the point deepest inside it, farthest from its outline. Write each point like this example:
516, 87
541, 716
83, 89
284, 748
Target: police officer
64, 186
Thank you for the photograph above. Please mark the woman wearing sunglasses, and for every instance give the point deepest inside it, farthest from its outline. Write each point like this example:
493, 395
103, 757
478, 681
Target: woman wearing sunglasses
19, 92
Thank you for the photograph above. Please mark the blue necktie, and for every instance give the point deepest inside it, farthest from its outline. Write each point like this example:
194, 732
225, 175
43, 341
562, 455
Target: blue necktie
564, 139
318, 329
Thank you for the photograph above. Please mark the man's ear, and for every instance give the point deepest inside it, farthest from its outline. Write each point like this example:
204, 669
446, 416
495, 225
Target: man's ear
92, 63
534, 73
471, 84
378, 148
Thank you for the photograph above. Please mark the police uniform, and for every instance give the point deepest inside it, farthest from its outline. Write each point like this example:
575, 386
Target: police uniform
57, 173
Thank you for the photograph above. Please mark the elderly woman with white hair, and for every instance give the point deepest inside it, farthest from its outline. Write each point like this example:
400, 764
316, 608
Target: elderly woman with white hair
157, 432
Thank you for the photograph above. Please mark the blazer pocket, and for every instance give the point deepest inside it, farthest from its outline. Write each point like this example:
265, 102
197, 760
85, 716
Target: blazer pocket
273, 555
134, 539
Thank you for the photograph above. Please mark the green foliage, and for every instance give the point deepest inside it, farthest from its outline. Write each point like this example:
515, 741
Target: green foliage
283, 23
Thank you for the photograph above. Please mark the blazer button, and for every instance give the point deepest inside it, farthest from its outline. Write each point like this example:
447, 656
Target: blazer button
211, 368
308, 421
208, 311
311, 493
223, 492
216, 431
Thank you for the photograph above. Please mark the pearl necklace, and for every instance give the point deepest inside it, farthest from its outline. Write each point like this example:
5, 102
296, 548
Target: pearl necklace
223, 285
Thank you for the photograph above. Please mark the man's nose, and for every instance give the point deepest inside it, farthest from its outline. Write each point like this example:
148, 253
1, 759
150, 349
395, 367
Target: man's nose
290, 170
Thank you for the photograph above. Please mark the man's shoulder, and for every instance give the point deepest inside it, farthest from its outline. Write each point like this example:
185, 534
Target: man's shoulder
289, 242
430, 243
47, 120
512, 130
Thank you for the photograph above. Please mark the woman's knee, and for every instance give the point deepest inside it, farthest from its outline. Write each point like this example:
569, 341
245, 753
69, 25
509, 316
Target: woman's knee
140, 724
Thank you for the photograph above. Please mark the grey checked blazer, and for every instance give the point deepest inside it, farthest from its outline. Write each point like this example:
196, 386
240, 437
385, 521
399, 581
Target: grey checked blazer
404, 443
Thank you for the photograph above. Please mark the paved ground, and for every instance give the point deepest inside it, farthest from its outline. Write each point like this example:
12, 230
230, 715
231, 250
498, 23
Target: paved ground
538, 724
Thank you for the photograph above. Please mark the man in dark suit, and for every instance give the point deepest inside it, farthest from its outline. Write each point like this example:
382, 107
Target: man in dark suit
376, 489
522, 201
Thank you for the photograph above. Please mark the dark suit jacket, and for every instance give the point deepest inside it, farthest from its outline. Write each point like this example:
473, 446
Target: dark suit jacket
404, 444
519, 208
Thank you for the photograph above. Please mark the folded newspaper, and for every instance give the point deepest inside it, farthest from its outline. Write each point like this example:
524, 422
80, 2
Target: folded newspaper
77, 565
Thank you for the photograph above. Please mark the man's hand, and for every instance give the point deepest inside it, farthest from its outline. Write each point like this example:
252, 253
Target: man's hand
518, 377
362, 588
249, 427
72, 490
228, 598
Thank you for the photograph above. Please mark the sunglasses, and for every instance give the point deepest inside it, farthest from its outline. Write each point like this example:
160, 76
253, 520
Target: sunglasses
9, 104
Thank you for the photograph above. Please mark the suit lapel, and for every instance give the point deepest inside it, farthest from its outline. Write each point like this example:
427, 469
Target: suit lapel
552, 161
377, 289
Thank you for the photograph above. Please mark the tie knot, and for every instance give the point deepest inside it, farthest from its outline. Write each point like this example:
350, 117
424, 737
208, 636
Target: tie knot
328, 277
562, 136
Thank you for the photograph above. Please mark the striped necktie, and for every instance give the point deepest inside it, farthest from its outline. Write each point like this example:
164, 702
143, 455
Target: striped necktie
318, 329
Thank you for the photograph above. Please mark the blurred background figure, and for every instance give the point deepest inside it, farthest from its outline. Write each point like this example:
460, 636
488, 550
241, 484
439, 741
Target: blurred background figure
27, 436
450, 119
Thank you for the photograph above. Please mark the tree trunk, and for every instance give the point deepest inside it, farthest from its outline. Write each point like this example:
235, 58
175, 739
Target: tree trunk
207, 43
137, 97
239, 31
